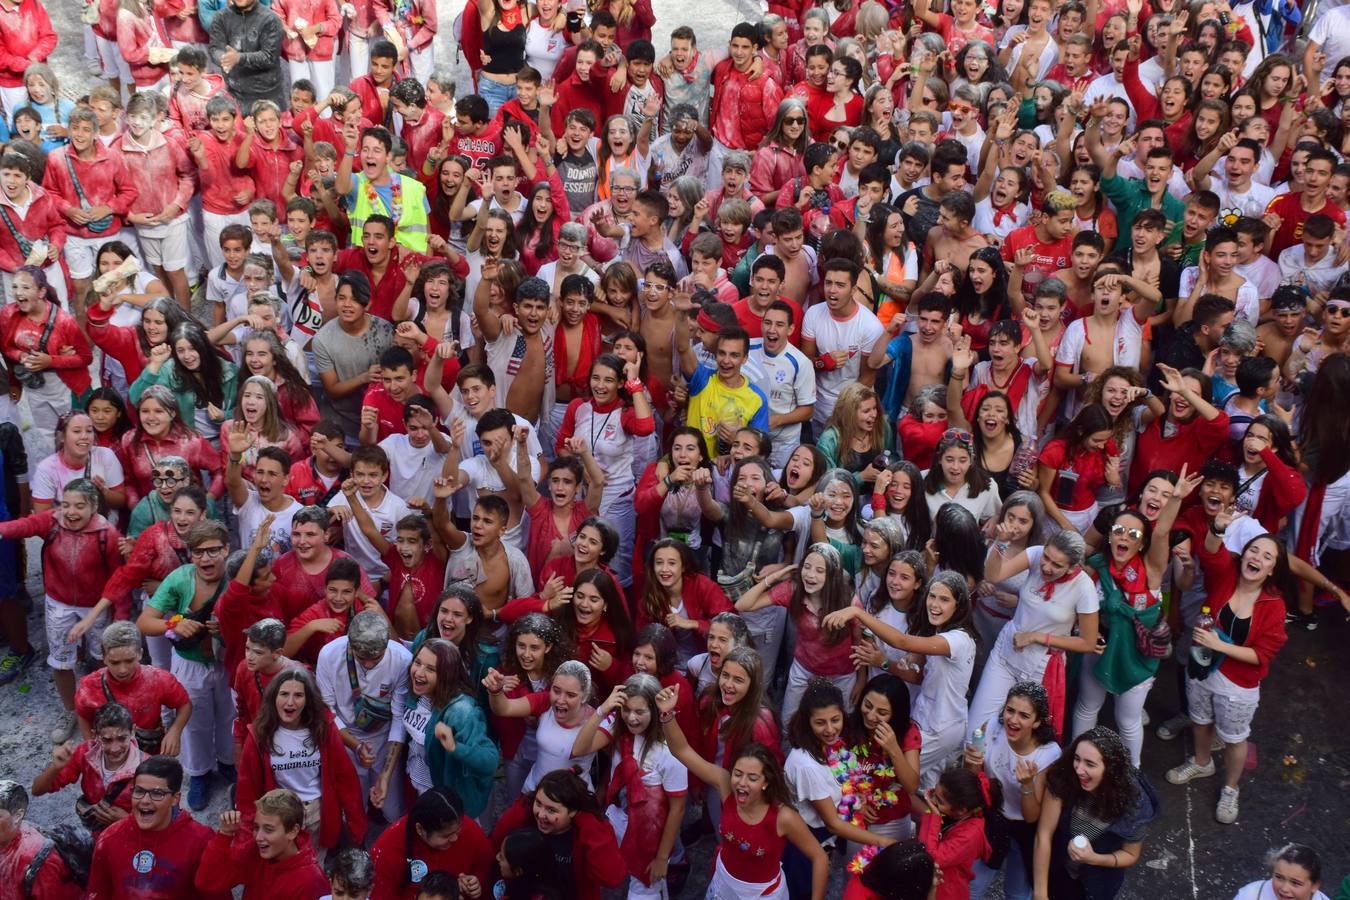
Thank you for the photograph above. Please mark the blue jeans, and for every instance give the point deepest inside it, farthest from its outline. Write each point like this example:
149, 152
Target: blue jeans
495, 93
1016, 877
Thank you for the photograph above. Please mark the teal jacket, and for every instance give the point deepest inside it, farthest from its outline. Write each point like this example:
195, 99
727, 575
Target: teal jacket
187, 406
489, 657
470, 768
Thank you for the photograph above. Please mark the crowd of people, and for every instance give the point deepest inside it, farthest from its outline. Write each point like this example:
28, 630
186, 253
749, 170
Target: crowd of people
791, 445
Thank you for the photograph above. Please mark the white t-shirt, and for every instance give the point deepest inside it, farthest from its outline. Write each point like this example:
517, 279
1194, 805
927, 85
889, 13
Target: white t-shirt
1319, 277
855, 334
790, 382
809, 780
549, 273
129, 314
543, 48
984, 220
1056, 615
415, 719
1331, 31
411, 470
982, 507
1233, 204
386, 515
946, 679
249, 518
295, 763
1104, 87
660, 768
387, 680
464, 567
52, 474
1000, 764
555, 750
1248, 298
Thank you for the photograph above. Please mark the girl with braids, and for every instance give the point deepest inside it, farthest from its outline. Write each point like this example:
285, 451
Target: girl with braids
898, 495
882, 539
820, 589
647, 784
1093, 792
294, 744
202, 383
1017, 749
533, 651
1022, 518
581, 841
755, 820
892, 602
679, 596
263, 356
942, 633
435, 834
1129, 574
1056, 613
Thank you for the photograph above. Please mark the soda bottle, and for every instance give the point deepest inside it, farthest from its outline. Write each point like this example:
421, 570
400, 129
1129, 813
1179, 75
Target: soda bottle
1202, 657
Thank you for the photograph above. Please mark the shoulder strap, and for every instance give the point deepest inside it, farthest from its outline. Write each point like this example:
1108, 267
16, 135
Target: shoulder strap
48, 327
107, 692
31, 873
25, 245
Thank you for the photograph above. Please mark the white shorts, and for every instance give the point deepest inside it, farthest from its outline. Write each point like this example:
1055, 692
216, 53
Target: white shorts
165, 246
82, 252
1229, 708
60, 618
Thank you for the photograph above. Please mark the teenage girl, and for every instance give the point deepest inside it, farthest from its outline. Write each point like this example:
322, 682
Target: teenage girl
561, 710
732, 714
534, 650
892, 603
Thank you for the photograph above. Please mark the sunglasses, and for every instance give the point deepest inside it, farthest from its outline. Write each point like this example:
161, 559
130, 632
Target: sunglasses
957, 434
960, 108
842, 145
795, 120
1133, 534
644, 285
1338, 310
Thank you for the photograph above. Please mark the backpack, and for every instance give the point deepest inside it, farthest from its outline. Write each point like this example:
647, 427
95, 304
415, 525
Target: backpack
75, 846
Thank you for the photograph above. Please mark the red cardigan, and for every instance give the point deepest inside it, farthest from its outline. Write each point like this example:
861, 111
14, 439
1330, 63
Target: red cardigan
469, 854
1193, 443
343, 798
223, 866
121, 342
703, 598
1266, 635
1282, 490
596, 862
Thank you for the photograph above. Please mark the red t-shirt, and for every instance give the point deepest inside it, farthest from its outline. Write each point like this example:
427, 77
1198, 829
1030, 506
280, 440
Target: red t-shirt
1289, 207
1049, 258
813, 651
389, 412
754, 325
309, 651
426, 582
144, 694
1089, 464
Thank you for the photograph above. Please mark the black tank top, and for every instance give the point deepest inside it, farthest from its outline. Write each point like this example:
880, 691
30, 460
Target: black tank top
506, 48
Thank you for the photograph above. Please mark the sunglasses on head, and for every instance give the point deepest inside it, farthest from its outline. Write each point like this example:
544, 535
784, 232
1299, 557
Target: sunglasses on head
960, 108
957, 434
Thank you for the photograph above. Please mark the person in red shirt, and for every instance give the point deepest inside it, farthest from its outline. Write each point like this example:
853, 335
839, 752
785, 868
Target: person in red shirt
154, 853
32, 229
435, 835
49, 375
143, 690
1190, 432
1074, 466
26, 37
327, 620
276, 862
1074, 69
745, 103
247, 597
374, 87
310, 48
386, 264
263, 661
423, 125
302, 572
583, 88
266, 152
102, 766
416, 561
382, 406
1287, 213
767, 274
193, 90
226, 189
318, 479
20, 846
1049, 241
346, 109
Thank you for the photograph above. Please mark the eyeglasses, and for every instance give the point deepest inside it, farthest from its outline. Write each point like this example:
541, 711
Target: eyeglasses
569, 245
1133, 534
155, 794
207, 552
623, 189
160, 478
842, 145
645, 285
957, 434
795, 120
962, 108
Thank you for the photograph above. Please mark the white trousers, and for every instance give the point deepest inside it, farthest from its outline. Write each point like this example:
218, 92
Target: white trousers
357, 57
1129, 707
939, 747
618, 510
999, 676
321, 73
798, 676
46, 404
208, 739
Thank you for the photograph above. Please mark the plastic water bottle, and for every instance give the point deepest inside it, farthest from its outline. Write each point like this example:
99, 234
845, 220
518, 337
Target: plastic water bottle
977, 739
1203, 656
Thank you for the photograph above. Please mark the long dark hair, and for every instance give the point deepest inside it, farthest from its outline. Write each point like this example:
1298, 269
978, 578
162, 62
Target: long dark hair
655, 603
741, 718
469, 646
528, 227
315, 716
1115, 795
918, 522
876, 236
662, 641
1034, 693
775, 782
207, 384
959, 543
528, 852
902, 871
293, 385
977, 433
452, 679
1326, 439
912, 558
454, 302
1281, 439
704, 461
896, 693
616, 611
834, 596
110, 395
547, 630
173, 317
436, 810
993, 303
819, 694
922, 626
1090, 420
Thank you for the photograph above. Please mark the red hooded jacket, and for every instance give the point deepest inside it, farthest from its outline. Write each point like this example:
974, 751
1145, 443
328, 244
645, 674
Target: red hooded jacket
343, 799
121, 342
72, 369
26, 37
596, 862
76, 564
221, 179
296, 878
53, 880
42, 220
103, 181
131, 864
470, 854
136, 36
955, 852
144, 695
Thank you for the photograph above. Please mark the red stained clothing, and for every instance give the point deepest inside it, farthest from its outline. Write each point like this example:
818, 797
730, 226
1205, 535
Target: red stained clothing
343, 800
1282, 490
271, 166
470, 854
297, 877
596, 862
157, 552
764, 732
145, 694
136, 37
369, 92
600, 636
238, 608
818, 107
421, 137
324, 129
1049, 257
544, 532
1191, 444
314, 12
53, 880
702, 598
76, 564
813, 650
385, 289
41, 220
85, 768
743, 107
188, 108
389, 413
426, 582
20, 334
248, 690
170, 859
1265, 634
918, 439
1089, 464
1147, 106
1289, 207
188, 29
221, 179
573, 93
306, 485
104, 181
139, 453
296, 590
772, 167
161, 171
419, 24
309, 651
954, 850
26, 37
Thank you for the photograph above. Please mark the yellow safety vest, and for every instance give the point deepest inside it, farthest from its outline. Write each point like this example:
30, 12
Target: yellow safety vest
410, 226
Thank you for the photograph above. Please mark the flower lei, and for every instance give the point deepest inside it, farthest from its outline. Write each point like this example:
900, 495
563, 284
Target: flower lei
863, 783
395, 196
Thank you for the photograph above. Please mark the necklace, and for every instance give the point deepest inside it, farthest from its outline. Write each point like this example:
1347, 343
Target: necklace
395, 196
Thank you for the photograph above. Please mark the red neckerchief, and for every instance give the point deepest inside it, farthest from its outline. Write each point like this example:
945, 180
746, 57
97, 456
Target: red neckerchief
1004, 212
1131, 578
1016, 388
688, 72
1048, 589
590, 342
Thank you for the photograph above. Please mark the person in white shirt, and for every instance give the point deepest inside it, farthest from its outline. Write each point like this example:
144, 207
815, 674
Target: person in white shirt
364, 504
1111, 85
363, 677
1295, 870
1312, 263
1253, 264
790, 381
837, 334
264, 496
1238, 192
571, 241
416, 457
1330, 37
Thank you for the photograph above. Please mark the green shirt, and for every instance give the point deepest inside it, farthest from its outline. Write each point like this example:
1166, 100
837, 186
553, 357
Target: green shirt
1130, 196
174, 597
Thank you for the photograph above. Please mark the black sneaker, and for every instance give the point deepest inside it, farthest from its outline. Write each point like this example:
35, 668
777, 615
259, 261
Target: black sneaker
14, 664
1307, 620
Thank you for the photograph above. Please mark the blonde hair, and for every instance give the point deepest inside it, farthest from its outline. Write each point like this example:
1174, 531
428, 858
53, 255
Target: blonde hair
844, 419
270, 426
283, 804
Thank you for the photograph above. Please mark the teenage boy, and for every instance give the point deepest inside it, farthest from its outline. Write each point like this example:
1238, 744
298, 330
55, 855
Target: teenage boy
500, 191
569, 264
954, 239
93, 190
1215, 274
382, 407
577, 164
911, 169
1086, 255
366, 487
1190, 345
225, 282
766, 284
155, 851
521, 358
495, 570
1187, 239
1311, 262
423, 126
386, 264
836, 335
1288, 212
687, 76
1253, 264
1006, 370
1073, 70
1130, 195
263, 495
491, 470
193, 89
789, 376
582, 88
313, 481
631, 98
476, 135
1239, 195
347, 351
302, 573
644, 240
416, 560
815, 194
1288, 309
1042, 249
705, 269
919, 207
659, 320
722, 400
525, 107
327, 620
266, 152
683, 150
344, 108
226, 190
800, 275
32, 230
735, 184
869, 190
376, 190
417, 453
1108, 337
373, 86
917, 359
1141, 256
746, 100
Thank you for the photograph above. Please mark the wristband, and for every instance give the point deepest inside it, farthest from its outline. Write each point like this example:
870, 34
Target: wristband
670, 486
885, 665
826, 363
1217, 532
667, 717
878, 502
1046, 636
634, 387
